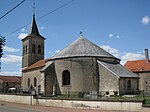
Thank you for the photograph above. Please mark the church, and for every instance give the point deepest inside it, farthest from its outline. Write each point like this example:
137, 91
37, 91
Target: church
80, 67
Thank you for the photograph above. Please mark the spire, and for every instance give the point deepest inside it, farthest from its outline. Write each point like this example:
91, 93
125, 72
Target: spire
34, 28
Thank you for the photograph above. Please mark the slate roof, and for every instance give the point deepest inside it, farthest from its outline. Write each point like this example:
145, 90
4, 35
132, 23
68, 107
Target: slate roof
138, 66
33, 29
118, 70
82, 48
13, 79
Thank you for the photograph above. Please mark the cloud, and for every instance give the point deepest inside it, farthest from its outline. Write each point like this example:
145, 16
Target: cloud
10, 49
57, 51
124, 57
111, 50
114, 36
111, 35
131, 56
145, 20
14, 73
12, 59
23, 30
22, 35
42, 28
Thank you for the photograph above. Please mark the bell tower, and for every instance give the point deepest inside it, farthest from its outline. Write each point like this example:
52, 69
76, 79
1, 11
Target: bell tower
32, 46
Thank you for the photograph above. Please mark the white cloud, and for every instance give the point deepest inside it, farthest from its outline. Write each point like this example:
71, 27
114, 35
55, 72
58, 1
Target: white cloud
22, 35
42, 28
117, 36
14, 73
131, 56
57, 51
23, 30
145, 20
10, 49
111, 35
12, 59
111, 50
126, 56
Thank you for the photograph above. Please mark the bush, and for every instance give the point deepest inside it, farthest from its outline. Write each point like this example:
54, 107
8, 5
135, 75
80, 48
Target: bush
81, 95
107, 93
115, 93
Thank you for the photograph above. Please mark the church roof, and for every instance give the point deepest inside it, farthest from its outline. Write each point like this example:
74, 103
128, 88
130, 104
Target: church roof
34, 29
82, 48
40, 63
138, 66
118, 70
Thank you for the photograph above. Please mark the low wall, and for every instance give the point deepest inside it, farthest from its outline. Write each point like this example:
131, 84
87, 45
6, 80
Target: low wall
99, 105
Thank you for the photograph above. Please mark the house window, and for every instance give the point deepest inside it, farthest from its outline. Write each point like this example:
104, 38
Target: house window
35, 81
39, 49
33, 48
129, 84
65, 77
28, 82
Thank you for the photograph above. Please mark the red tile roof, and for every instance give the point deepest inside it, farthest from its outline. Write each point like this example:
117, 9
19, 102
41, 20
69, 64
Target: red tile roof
40, 63
14, 79
138, 66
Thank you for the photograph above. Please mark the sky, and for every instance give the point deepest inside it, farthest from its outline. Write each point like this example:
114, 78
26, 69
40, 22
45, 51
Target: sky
121, 27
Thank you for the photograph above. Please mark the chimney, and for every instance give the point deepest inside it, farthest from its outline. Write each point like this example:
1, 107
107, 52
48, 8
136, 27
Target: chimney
146, 56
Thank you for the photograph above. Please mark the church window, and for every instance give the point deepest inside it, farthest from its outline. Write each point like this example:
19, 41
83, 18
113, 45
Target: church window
35, 82
26, 49
65, 77
39, 49
33, 48
23, 49
129, 84
28, 82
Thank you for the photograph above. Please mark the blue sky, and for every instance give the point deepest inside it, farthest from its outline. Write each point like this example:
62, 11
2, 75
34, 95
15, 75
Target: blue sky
122, 27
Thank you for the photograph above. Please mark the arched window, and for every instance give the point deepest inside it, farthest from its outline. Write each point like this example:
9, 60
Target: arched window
39, 49
28, 82
129, 84
65, 77
26, 49
35, 82
33, 48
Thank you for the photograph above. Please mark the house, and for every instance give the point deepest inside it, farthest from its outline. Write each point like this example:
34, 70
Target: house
142, 69
10, 83
82, 66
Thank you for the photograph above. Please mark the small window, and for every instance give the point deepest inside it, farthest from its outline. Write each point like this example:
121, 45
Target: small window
33, 48
35, 82
26, 49
39, 49
129, 84
28, 82
65, 77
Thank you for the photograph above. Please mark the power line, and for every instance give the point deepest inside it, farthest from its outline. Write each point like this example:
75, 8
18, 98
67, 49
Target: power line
41, 17
12, 9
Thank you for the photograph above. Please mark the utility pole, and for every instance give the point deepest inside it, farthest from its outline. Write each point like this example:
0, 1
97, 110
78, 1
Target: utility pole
2, 43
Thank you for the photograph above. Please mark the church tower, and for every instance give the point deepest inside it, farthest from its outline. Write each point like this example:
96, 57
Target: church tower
32, 46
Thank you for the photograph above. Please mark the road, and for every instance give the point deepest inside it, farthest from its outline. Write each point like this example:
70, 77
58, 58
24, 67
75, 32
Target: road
14, 107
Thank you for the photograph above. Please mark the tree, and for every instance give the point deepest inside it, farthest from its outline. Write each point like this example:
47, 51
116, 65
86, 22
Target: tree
2, 43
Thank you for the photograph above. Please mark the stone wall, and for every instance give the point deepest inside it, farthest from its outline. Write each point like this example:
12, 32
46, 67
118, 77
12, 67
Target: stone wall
144, 82
108, 81
82, 73
31, 74
99, 105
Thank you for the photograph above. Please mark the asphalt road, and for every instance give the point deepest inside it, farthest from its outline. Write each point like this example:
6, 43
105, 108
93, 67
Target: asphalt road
5, 107
14, 107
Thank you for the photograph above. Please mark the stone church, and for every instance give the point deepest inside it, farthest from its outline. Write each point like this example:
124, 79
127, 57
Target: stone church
80, 67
